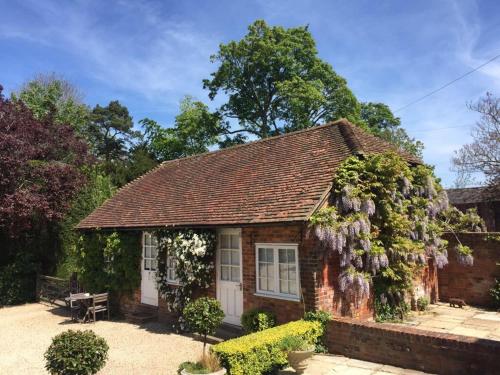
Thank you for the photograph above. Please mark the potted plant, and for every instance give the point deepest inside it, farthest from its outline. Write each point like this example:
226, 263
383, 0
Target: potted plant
299, 351
203, 317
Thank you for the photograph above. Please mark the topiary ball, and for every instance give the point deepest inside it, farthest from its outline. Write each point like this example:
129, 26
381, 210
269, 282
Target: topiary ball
76, 353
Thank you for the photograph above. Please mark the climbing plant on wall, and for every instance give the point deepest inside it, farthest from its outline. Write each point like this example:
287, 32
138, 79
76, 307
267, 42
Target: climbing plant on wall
194, 254
109, 261
385, 220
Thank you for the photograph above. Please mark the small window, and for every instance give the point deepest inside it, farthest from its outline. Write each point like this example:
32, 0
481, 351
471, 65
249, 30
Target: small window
149, 252
277, 270
171, 265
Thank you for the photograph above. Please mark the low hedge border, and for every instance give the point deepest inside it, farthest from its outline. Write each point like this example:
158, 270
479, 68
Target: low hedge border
260, 352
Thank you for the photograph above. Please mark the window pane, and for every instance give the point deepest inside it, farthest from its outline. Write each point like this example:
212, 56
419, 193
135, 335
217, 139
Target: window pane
153, 265
154, 240
235, 273
148, 252
262, 269
147, 264
292, 273
270, 270
235, 258
225, 255
270, 255
225, 241
291, 256
283, 271
292, 286
283, 286
154, 251
282, 256
224, 272
262, 254
235, 241
263, 284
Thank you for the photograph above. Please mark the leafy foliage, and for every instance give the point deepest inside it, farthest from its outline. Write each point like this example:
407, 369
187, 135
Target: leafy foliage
52, 96
380, 121
254, 320
195, 129
295, 343
39, 168
495, 293
323, 317
261, 352
194, 253
109, 261
76, 353
384, 222
277, 83
111, 131
422, 303
455, 220
94, 193
17, 280
203, 316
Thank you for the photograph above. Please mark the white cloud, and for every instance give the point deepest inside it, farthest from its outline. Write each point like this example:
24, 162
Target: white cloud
141, 51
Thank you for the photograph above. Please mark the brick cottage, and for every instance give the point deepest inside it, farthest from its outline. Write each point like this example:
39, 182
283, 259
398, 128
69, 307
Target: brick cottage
258, 197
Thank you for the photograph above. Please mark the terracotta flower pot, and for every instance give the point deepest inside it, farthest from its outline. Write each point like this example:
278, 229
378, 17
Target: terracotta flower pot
220, 372
298, 359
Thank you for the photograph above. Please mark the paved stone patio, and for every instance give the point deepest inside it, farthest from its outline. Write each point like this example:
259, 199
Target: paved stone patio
335, 364
466, 321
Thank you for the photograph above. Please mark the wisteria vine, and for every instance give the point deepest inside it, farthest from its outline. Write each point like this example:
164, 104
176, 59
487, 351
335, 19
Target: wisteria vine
385, 220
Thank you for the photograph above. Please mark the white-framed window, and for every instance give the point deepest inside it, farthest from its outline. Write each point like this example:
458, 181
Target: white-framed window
277, 270
149, 252
149, 256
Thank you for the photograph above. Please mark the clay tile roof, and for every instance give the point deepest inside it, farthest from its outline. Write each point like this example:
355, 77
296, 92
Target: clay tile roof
277, 179
473, 195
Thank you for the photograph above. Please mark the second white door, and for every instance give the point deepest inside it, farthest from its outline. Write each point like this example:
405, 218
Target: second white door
229, 274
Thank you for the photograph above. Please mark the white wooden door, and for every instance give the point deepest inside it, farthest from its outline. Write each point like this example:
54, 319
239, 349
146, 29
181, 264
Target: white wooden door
229, 274
149, 291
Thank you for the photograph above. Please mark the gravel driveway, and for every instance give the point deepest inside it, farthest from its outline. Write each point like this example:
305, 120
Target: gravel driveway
26, 332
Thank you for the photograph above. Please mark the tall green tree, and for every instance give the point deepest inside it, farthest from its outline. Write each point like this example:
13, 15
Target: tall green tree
49, 94
276, 83
111, 131
380, 121
194, 131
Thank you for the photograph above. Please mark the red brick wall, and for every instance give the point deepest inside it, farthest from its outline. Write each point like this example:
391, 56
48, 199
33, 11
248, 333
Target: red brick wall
471, 283
413, 348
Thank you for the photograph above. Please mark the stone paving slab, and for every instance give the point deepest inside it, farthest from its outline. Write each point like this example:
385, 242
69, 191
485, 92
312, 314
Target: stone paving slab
329, 364
467, 321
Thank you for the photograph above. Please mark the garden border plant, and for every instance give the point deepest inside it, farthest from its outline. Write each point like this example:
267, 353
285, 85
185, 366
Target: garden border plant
385, 219
194, 251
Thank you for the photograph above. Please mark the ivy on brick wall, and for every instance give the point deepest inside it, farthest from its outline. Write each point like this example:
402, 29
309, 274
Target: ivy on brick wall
109, 261
194, 254
385, 220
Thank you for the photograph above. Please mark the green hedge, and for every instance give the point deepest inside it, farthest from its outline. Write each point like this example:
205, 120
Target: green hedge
260, 352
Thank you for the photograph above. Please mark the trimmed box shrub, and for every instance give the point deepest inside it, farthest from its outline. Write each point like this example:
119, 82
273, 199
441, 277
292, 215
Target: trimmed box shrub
260, 352
76, 353
255, 320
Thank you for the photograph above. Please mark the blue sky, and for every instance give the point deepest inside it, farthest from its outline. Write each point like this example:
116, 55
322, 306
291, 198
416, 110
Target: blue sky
150, 54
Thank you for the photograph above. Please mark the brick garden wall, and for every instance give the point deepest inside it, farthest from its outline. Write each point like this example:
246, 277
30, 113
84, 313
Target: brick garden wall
413, 348
471, 283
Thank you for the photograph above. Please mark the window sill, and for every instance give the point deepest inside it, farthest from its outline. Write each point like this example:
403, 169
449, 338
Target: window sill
277, 296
